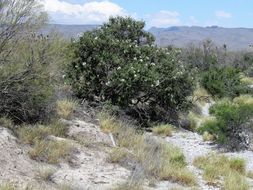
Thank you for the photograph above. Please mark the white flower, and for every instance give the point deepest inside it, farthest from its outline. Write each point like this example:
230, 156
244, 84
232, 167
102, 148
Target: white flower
76, 66
122, 80
135, 58
96, 38
135, 75
134, 101
141, 60
157, 83
84, 63
108, 83
152, 64
118, 68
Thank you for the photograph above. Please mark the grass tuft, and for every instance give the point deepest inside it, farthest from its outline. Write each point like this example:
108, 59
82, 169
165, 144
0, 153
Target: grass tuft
247, 80
117, 155
50, 151
157, 159
46, 173
217, 167
235, 181
244, 99
128, 186
250, 174
207, 136
58, 129
163, 130
7, 123
108, 124
7, 186
65, 108
31, 134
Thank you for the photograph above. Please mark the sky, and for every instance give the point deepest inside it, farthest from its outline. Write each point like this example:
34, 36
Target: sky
156, 13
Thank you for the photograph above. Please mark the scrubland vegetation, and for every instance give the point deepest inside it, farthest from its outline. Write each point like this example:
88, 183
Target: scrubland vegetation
231, 169
118, 69
153, 157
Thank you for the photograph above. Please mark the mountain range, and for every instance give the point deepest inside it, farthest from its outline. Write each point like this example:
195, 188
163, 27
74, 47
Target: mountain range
180, 36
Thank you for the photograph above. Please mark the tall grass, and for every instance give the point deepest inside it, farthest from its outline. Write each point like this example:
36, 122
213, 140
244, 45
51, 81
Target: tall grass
217, 167
156, 159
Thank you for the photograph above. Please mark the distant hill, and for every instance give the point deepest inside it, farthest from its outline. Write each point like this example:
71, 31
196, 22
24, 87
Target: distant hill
234, 38
69, 31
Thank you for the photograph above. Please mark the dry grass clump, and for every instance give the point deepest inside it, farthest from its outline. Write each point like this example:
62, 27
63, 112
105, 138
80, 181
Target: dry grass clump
200, 95
235, 181
157, 159
247, 80
128, 186
207, 136
197, 120
51, 151
30, 134
46, 173
65, 108
217, 167
171, 165
6, 122
117, 155
108, 123
250, 174
58, 129
7, 186
163, 130
66, 187
244, 99
43, 149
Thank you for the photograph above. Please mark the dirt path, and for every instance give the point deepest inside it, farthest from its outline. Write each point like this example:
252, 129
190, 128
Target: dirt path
193, 146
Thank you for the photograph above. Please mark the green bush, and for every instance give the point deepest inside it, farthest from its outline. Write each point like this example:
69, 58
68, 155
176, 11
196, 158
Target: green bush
25, 92
223, 82
231, 120
119, 63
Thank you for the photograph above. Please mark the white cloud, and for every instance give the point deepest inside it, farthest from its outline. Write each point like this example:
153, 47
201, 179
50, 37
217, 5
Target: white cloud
223, 14
193, 20
94, 12
164, 19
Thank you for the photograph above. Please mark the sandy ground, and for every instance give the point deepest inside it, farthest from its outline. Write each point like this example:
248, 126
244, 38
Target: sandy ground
89, 168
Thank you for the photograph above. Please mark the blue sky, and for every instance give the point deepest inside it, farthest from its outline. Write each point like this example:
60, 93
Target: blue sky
159, 13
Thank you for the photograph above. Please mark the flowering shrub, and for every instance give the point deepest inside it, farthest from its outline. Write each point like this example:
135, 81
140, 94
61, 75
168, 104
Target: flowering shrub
120, 63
